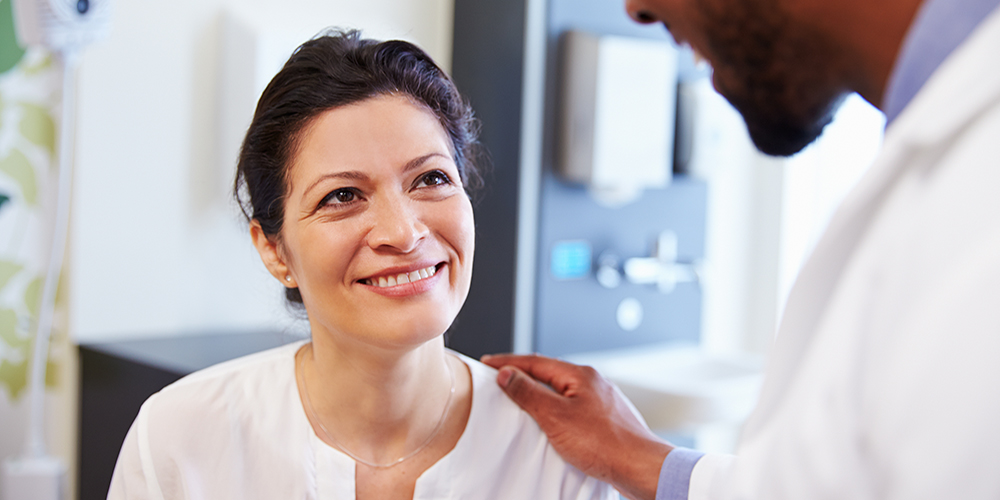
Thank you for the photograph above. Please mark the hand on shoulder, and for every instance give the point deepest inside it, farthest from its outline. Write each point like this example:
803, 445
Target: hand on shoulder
586, 419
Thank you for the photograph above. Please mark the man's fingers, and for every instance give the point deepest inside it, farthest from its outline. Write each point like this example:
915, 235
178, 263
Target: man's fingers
500, 360
551, 371
531, 396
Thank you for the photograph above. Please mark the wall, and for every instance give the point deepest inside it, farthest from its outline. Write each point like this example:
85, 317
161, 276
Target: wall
156, 246
739, 273
765, 214
818, 178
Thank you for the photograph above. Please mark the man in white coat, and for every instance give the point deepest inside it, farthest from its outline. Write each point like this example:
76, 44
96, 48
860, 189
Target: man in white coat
884, 380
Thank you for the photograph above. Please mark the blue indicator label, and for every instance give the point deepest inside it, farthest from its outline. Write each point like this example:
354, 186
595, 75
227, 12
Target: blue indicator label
570, 260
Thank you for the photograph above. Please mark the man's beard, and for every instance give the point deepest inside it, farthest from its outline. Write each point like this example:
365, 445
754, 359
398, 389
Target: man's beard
780, 77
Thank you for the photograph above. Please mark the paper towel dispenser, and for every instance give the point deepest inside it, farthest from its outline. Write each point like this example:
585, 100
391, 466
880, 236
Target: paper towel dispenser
618, 114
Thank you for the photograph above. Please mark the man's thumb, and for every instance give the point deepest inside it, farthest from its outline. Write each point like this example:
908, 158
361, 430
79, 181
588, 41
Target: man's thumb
521, 388
505, 375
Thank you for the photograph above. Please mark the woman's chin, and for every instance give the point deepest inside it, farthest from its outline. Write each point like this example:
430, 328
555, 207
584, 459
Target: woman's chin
408, 341
410, 335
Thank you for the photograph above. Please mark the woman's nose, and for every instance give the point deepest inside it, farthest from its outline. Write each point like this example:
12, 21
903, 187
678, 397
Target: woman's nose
639, 12
396, 226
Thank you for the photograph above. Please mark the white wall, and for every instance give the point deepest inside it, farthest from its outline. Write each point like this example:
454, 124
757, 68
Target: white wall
742, 235
765, 214
156, 245
817, 179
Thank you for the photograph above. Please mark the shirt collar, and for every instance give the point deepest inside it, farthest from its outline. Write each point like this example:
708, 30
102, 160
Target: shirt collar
939, 27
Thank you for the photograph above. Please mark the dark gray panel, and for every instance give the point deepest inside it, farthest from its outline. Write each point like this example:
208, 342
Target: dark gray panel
187, 354
579, 315
487, 66
112, 389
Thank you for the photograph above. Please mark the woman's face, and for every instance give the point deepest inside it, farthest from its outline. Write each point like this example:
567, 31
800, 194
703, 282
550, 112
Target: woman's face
378, 231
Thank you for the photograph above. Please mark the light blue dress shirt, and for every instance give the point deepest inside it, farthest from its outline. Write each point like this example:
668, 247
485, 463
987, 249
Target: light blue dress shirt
675, 474
939, 27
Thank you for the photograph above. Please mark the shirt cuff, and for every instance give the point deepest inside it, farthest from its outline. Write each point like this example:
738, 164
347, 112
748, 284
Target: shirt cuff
675, 474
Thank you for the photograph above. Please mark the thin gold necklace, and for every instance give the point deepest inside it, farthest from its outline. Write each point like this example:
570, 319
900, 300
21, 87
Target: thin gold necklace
312, 414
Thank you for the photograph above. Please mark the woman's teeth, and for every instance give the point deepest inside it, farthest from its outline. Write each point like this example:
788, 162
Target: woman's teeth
402, 278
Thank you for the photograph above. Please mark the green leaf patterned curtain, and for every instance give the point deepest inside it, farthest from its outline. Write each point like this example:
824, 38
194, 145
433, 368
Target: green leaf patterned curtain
29, 86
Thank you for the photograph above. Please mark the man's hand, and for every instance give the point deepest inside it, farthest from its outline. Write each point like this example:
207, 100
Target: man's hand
586, 419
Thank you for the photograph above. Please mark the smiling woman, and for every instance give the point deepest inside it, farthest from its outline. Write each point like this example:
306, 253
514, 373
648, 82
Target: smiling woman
374, 196
354, 177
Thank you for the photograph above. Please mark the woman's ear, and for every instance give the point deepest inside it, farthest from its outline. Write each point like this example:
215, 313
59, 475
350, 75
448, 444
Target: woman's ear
271, 256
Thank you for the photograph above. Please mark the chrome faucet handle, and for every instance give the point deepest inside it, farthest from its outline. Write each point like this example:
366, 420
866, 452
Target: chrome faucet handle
608, 274
662, 269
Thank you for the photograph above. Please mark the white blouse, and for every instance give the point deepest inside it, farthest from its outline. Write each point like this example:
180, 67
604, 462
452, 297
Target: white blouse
237, 430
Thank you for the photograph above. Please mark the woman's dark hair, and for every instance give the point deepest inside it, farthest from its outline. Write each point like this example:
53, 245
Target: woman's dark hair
335, 69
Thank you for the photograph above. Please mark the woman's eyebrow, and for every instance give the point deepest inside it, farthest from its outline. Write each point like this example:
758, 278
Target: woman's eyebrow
352, 175
420, 160
355, 175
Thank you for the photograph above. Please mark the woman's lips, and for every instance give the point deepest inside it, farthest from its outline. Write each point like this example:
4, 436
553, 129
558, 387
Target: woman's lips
400, 278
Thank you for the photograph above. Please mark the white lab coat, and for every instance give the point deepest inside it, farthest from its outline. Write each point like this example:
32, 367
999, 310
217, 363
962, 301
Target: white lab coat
237, 431
884, 382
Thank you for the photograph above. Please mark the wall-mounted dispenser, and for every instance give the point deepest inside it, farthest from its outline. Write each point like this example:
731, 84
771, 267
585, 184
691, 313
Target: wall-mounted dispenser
617, 114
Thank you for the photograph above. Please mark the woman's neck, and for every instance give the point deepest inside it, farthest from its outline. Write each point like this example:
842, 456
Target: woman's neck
378, 404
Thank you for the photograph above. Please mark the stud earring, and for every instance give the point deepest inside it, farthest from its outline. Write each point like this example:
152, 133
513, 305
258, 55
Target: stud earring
288, 277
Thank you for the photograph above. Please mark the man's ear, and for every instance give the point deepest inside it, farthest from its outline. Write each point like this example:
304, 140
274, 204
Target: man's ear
271, 256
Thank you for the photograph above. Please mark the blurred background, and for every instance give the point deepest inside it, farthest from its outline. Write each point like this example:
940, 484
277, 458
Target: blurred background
627, 221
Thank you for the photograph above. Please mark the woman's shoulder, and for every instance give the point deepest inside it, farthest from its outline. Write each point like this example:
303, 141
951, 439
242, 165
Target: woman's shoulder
245, 365
521, 462
251, 381
486, 393
495, 419
236, 419
259, 366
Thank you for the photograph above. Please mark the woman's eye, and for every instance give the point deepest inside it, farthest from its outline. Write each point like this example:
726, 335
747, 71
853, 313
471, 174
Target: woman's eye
339, 197
434, 178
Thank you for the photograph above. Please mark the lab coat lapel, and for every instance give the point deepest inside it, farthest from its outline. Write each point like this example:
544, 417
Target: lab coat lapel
954, 96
